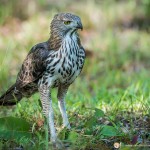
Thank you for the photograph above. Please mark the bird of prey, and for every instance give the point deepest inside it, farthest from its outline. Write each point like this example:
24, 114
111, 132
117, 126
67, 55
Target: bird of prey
54, 63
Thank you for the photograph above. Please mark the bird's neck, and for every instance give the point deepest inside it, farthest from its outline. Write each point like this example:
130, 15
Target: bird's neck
55, 41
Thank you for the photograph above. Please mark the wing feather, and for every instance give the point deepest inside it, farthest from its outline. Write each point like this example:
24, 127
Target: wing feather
33, 66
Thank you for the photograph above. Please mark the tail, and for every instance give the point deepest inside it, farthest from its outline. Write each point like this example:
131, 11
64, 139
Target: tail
10, 97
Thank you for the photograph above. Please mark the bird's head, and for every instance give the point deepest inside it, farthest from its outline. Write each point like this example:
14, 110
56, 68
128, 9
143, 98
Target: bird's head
64, 23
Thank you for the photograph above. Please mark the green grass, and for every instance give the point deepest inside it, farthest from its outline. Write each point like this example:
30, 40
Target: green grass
110, 101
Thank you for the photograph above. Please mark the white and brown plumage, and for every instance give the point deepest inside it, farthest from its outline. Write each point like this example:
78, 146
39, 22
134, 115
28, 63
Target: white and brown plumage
54, 63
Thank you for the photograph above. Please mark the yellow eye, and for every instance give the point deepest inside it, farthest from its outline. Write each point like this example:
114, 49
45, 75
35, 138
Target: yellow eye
67, 22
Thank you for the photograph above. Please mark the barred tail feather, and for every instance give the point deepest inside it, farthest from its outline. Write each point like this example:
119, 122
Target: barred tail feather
9, 97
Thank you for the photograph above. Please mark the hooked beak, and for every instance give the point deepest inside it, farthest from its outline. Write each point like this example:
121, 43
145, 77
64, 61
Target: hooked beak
79, 25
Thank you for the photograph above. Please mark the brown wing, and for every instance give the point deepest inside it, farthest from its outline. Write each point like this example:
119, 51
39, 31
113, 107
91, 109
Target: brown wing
33, 66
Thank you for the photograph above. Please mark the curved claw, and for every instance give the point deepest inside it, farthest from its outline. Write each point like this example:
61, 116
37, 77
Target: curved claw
67, 126
58, 144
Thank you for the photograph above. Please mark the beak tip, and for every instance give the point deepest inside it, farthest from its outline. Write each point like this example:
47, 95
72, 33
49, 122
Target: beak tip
79, 26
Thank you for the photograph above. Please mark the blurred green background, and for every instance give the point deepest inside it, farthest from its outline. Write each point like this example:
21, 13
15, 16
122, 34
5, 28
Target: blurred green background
116, 36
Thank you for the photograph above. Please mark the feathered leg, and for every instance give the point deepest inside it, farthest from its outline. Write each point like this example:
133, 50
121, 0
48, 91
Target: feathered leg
62, 90
48, 110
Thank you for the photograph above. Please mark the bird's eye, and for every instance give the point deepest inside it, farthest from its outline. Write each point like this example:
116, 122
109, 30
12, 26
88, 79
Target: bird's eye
67, 22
